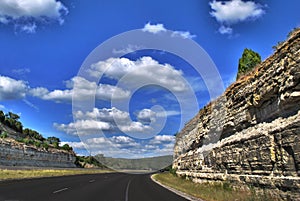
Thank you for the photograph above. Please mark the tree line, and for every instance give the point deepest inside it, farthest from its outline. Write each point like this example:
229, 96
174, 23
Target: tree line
32, 137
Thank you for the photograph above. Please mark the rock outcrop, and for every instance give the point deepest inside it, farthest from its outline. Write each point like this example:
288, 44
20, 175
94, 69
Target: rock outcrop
13, 153
250, 136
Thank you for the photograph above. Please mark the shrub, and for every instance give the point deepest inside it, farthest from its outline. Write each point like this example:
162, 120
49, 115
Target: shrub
37, 144
173, 171
67, 147
28, 141
20, 139
4, 135
248, 61
45, 146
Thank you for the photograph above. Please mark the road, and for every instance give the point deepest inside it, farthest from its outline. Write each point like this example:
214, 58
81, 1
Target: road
97, 187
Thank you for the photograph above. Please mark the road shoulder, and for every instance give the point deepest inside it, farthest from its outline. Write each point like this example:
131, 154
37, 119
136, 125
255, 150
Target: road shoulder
182, 194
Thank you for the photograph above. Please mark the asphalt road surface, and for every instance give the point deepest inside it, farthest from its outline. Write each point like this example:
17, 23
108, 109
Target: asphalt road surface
98, 187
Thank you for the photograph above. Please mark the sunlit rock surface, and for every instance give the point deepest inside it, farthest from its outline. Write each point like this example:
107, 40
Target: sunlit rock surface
250, 135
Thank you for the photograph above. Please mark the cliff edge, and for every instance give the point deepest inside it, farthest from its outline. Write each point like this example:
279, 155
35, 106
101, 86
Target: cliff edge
15, 153
250, 135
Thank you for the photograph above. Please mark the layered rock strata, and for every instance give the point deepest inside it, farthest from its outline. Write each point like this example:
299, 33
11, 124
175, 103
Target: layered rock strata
13, 153
250, 135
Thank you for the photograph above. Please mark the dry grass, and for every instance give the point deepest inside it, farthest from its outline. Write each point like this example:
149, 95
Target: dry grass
35, 173
207, 191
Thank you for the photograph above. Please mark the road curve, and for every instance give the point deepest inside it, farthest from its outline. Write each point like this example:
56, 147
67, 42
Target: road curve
97, 187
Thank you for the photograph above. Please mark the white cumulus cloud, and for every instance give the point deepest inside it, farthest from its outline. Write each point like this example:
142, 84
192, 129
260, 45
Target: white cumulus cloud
231, 12
83, 127
162, 139
140, 71
80, 89
24, 14
11, 89
110, 120
124, 146
146, 116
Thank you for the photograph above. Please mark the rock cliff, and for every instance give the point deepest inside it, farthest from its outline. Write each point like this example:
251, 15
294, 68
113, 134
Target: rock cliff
250, 135
13, 153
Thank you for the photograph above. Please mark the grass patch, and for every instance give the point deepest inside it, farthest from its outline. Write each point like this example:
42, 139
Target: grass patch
35, 173
208, 191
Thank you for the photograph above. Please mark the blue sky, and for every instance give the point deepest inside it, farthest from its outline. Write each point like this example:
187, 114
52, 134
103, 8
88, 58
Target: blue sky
44, 44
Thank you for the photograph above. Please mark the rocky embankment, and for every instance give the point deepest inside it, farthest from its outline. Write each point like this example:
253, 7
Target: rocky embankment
13, 153
250, 136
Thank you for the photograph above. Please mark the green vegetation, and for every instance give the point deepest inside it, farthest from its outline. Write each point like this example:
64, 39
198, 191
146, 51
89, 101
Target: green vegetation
293, 30
11, 120
29, 136
247, 62
208, 191
54, 141
10, 126
275, 47
4, 134
32, 173
83, 161
172, 171
33, 134
66, 147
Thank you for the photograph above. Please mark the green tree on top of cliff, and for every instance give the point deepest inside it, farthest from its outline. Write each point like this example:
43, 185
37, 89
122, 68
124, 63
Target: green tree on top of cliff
12, 120
33, 134
54, 141
67, 147
248, 61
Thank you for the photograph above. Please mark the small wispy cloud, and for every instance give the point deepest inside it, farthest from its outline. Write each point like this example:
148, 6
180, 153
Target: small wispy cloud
225, 30
183, 34
29, 28
154, 28
129, 49
159, 28
21, 71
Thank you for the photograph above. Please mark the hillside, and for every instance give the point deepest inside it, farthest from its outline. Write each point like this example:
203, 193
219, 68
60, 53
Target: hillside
148, 164
26, 147
250, 135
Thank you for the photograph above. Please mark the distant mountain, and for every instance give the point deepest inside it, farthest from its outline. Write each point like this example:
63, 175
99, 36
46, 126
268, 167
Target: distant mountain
147, 164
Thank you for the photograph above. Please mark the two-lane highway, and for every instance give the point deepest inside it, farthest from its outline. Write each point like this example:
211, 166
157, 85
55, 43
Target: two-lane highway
97, 187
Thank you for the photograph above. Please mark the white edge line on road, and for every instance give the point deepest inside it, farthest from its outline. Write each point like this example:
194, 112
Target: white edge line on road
60, 190
182, 194
91, 181
127, 189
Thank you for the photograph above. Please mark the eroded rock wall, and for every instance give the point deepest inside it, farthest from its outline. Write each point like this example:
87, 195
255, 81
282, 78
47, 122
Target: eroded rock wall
16, 154
250, 135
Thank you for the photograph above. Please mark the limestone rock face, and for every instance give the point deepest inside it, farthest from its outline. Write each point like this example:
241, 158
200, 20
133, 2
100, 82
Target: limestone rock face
16, 154
251, 134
